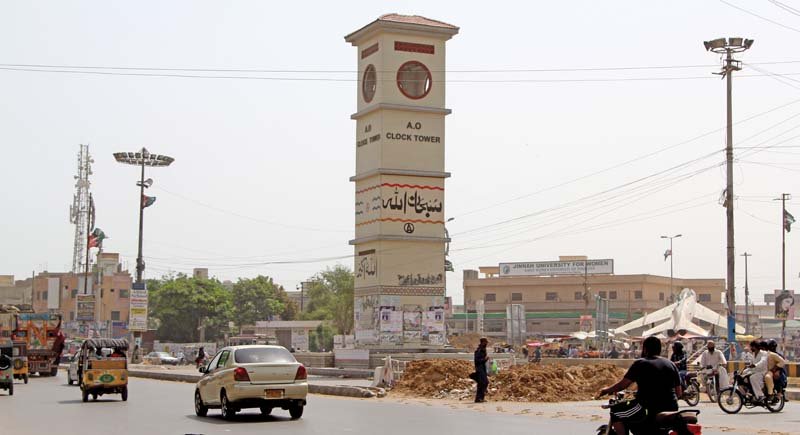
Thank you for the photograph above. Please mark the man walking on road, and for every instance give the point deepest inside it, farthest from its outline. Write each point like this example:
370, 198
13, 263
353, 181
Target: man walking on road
481, 375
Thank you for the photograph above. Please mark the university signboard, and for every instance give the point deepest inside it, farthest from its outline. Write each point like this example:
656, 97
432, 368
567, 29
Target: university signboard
551, 268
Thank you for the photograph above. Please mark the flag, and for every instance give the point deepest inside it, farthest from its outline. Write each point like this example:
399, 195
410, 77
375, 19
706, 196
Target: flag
667, 253
147, 201
448, 266
788, 220
96, 238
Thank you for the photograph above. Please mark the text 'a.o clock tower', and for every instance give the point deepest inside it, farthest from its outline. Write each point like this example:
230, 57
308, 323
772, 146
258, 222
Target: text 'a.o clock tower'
399, 207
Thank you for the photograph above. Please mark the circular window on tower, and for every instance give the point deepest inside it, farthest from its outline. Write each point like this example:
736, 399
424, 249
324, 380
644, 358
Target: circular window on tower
369, 84
414, 80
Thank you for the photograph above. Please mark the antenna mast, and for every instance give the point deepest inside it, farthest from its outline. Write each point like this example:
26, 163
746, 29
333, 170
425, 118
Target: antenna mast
79, 210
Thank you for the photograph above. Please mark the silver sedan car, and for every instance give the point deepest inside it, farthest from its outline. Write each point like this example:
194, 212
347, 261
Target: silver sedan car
257, 376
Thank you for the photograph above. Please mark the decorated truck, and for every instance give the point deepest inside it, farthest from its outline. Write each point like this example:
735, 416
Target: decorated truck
42, 334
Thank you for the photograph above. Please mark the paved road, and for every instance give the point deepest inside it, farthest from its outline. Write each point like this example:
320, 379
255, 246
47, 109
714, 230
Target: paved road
48, 405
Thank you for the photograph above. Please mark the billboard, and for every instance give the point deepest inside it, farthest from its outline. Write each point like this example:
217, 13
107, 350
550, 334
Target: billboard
53, 293
550, 268
137, 321
85, 308
784, 304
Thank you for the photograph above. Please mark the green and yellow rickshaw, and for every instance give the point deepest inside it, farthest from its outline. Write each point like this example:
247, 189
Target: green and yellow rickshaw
20, 360
103, 368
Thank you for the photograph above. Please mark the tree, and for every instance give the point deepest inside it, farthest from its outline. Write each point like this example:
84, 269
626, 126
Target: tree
330, 294
260, 298
321, 338
185, 304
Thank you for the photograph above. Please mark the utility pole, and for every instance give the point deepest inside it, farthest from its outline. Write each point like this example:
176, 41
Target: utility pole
728, 47
782, 199
746, 296
671, 255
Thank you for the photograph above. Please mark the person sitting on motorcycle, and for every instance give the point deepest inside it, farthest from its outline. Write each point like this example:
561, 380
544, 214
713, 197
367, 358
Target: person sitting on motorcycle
713, 359
658, 390
759, 367
775, 367
678, 357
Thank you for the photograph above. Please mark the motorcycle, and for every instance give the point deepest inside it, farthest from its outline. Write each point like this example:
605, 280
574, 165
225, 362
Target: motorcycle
710, 381
665, 421
740, 393
691, 391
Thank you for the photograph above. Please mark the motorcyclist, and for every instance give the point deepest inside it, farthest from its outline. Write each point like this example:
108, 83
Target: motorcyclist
713, 359
678, 357
658, 389
759, 367
775, 367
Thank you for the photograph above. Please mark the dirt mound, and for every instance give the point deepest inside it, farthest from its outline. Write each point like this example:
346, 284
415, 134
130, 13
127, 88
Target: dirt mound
464, 341
522, 383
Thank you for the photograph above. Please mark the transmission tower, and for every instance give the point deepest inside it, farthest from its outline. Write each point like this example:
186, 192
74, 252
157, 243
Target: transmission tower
79, 210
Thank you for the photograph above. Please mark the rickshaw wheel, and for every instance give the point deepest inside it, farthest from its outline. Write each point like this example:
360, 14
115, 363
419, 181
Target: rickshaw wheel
85, 395
124, 394
94, 396
25, 378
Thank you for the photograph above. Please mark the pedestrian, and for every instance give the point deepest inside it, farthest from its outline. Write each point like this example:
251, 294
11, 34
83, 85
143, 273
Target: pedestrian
481, 375
201, 356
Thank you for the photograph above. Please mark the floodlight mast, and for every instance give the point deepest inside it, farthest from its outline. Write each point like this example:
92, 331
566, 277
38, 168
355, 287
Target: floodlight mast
142, 158
728, 46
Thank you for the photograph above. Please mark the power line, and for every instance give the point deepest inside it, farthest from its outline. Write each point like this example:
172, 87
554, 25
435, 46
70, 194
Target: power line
786, 7
761, 17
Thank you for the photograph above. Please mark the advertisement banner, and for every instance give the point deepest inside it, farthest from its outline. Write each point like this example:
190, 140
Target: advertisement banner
137, 321
85, 308
784, 305
550, 268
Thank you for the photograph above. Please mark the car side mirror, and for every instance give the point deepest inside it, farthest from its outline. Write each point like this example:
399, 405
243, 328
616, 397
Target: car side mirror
202, 370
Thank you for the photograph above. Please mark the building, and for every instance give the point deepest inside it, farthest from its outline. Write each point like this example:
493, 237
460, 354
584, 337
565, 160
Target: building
399, 245
200, 273
291, 334
14, 292
555, 297
87, 307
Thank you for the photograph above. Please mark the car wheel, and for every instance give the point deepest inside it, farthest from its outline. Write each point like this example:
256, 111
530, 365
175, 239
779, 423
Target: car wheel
11, 389
85, 395
296, 411
199, 407
227, 410
266, 410
25, 378
124, 394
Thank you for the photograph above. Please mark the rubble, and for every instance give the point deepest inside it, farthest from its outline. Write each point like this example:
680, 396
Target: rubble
449, 379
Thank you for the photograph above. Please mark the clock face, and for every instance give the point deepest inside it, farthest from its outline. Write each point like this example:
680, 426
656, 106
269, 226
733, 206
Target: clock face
369, 84
414, 80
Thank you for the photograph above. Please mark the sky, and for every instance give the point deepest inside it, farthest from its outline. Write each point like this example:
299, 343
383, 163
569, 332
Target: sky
593, 159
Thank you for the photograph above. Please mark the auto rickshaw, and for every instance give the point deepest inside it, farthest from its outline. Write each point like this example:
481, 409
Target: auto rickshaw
20, 360
103, 368
6, 369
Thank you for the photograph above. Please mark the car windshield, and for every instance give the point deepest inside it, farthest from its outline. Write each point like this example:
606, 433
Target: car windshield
163, 354
263, 355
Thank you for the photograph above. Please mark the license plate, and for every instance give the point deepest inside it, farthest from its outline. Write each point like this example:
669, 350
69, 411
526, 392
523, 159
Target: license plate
273, 394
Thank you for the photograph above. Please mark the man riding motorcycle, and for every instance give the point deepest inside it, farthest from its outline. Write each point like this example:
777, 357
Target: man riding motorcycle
713, 359
759, 367
658, 390
678, 357
775, 367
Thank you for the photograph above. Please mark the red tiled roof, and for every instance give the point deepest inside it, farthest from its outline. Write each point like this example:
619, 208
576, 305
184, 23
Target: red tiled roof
415, 19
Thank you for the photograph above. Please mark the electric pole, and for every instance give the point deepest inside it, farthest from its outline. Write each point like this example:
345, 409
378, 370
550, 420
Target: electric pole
746, 296
728, 47
782, 199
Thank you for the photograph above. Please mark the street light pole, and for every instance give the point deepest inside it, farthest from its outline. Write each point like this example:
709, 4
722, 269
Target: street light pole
746, 296
671, 255
728, 46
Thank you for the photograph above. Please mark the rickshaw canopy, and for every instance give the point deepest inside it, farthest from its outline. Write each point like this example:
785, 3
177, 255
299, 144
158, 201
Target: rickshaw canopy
111, 343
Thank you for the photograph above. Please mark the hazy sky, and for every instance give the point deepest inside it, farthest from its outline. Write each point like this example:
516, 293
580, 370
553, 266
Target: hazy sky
262, 166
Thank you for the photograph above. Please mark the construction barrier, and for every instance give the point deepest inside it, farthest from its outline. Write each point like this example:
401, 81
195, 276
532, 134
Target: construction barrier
792, 369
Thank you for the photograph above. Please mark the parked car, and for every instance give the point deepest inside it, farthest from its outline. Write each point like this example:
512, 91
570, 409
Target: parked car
162, 358
72, 371
252, 376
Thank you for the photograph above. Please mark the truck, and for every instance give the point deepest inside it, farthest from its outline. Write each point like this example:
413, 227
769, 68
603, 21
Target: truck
44, 340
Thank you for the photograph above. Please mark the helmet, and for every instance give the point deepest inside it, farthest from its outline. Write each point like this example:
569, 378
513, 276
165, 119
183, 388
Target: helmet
772, 345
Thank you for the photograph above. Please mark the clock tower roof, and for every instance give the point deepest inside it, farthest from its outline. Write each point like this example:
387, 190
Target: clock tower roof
403, 24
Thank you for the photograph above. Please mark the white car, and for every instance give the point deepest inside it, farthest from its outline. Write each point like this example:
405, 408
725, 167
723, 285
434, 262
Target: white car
161, 358
72, 371
256, 376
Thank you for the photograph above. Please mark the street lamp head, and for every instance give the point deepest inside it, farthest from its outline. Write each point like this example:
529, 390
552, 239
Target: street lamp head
722, 45
678, 235
665, 237
143, 157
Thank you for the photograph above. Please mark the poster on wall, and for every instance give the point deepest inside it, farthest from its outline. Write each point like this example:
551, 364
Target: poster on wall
412, 321
784, 304
434, 320
299, 339
391, 320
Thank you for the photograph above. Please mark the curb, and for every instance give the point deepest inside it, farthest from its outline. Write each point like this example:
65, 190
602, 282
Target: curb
330, 390
337, 372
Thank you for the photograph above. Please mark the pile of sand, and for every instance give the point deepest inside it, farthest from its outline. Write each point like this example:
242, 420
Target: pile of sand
449, 379
464, 341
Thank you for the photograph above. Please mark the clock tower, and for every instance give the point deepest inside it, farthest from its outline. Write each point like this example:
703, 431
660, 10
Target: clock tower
400, 239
